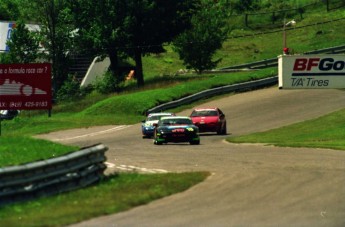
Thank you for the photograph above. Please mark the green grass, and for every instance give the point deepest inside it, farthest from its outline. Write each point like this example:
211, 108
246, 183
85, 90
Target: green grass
323, 132
118, 193
29, 149
163, 84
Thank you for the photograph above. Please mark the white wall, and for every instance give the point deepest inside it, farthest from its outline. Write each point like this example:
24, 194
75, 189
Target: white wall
97, 68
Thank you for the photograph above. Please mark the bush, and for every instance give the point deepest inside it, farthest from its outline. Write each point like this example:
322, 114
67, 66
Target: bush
108, 83
71, 90
5, 58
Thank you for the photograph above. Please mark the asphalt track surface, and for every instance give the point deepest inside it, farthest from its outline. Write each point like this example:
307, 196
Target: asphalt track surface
250, 184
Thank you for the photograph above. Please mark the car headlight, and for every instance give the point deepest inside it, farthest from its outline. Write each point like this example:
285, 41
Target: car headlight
162, 130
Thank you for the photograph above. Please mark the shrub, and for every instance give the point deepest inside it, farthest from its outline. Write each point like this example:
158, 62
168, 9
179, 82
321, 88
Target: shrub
71, 90
108, 83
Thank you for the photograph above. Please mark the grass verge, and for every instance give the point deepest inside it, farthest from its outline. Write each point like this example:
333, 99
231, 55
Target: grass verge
323, 132
118, 192
17, 150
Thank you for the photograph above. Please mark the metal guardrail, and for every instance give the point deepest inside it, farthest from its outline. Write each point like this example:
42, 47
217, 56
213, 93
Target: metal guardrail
52, 176
332, 50
255, 65
274, 61
216, 91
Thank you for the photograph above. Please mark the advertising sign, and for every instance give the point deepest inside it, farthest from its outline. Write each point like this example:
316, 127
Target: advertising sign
25, 86
6, 29
5, 34
311, 71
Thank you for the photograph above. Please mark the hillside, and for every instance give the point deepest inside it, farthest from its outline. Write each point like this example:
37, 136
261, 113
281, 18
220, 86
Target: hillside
316, 28
261, 40
245, 44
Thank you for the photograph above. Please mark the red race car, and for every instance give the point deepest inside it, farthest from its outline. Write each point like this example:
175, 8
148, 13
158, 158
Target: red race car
209, 120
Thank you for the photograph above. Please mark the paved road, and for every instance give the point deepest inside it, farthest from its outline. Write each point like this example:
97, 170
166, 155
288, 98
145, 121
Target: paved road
251, 184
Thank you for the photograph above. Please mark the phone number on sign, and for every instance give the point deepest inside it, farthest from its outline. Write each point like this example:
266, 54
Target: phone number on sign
36, 104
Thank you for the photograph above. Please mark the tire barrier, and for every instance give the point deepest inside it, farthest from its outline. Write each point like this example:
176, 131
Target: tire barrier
52, 176
215, 91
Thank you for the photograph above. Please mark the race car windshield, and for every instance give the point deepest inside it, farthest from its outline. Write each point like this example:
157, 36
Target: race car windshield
204, 113
153, 118
175, 122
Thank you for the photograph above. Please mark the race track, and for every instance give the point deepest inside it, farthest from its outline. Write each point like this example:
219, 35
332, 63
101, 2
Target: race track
250, 184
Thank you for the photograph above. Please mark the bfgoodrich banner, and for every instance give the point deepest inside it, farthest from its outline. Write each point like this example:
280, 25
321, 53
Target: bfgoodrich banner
311, 71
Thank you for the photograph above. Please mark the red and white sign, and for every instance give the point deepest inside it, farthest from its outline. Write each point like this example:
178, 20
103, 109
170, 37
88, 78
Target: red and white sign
25, 86
311, 71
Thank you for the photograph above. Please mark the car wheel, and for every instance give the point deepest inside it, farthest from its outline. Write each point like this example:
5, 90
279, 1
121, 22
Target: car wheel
219, 131
155, 142
224, 132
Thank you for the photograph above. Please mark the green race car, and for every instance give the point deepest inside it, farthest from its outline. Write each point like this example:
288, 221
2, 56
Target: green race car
176, 129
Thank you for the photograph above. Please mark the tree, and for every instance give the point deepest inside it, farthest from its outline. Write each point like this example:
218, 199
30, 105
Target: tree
101, 29
23, 45
153, 23
54, 17
131, 28
197, 45
9, 10
242, 6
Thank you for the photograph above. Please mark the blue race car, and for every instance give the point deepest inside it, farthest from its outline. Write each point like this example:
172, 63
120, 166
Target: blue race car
176, 129
147, 127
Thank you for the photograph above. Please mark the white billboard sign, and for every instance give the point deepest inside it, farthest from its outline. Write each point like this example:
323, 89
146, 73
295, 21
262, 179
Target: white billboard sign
6, 30
5, 34
311, 71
